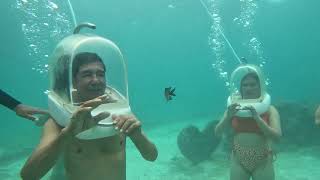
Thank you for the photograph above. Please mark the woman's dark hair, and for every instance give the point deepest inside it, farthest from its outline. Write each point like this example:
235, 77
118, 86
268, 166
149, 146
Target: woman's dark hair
252, 75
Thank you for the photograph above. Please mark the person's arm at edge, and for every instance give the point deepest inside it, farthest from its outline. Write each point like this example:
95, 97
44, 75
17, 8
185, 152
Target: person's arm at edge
8, 101
317, 116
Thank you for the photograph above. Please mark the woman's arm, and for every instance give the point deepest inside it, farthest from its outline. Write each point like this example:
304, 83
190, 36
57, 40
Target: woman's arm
273, 130
224, 123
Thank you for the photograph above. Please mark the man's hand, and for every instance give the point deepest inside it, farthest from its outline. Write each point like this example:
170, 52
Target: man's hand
82, 119
127, 124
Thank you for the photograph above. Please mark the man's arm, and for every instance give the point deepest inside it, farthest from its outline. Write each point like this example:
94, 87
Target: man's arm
146, 148
47, 153
223, 124
131, 126
21, 110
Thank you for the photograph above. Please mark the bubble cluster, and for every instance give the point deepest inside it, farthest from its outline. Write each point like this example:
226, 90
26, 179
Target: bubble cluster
218, 43
246, 19
44, 23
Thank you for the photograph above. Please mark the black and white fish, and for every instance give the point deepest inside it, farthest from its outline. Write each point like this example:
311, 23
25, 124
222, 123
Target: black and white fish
168, 93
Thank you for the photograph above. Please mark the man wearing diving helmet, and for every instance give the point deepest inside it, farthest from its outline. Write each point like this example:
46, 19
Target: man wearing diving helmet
101, 158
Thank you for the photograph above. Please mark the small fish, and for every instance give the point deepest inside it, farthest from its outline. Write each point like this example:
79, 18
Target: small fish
168, 93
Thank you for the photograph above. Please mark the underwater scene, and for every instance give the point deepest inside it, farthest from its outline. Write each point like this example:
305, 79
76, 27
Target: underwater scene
160, 90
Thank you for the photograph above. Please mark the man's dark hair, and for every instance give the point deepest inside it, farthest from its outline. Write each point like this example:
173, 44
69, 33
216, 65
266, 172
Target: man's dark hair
61, 70
84, 58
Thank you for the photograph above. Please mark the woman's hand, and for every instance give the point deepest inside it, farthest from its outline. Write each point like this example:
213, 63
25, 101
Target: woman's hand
232, 110
253, 111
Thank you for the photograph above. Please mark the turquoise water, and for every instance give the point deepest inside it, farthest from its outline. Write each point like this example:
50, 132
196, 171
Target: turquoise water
165, 43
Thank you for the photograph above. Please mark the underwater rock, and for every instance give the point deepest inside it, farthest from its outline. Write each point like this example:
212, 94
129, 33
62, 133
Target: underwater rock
297, 123
197, 146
